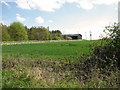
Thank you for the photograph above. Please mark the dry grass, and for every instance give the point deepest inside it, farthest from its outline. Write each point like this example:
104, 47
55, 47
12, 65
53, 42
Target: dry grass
38, 73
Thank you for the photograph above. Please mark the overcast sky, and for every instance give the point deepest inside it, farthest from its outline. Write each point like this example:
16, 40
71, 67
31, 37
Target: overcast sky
68, 16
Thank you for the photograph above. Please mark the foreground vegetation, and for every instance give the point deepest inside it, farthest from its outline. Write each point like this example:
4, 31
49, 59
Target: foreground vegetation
99, 67
54, 74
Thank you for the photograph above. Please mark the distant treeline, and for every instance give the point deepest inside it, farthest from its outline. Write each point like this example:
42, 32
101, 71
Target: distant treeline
16, 31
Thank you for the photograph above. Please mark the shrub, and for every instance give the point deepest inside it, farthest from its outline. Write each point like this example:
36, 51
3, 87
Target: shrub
104, 58
109, 48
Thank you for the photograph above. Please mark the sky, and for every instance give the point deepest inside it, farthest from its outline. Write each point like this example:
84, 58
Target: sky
68, 16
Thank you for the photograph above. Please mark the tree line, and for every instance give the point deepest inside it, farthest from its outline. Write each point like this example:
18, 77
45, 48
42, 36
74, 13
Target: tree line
16, 31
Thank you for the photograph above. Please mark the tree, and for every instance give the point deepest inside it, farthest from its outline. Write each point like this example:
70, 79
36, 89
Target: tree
41, 33
56, 35
57, 32
17, 31
5, 35
38, 33
45, 33
50, 35
29, 33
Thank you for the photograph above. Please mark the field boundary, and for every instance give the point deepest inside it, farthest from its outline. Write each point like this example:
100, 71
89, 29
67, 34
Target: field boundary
30, 42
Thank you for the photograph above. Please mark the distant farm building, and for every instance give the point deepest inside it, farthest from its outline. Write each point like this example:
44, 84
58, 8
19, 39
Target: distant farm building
73, 36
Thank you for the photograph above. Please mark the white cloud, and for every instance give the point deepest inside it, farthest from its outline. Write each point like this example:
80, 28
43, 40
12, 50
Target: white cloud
43, 5
52, 5
50, 21
85, 4
5, 3
90, 4
23, 4
20, 18
105, 2
72, 1
39, 20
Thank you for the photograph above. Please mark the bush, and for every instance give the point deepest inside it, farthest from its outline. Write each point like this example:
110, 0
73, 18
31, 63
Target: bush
104, 58
109, 48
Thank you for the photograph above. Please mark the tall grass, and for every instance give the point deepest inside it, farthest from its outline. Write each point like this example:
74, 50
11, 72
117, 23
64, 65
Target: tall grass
54, 74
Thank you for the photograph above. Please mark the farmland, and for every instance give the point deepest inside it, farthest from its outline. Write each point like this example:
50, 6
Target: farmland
47, 50
32, 56
53, 65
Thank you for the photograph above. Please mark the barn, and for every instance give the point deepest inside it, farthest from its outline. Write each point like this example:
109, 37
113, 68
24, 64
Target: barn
74, 36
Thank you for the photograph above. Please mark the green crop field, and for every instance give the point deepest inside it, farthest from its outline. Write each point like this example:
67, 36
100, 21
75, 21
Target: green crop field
48, 50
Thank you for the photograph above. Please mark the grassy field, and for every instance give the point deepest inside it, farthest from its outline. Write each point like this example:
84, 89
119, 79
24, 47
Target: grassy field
48, 50
52, 65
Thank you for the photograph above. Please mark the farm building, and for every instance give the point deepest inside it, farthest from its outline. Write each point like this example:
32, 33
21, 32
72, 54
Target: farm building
73, 36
